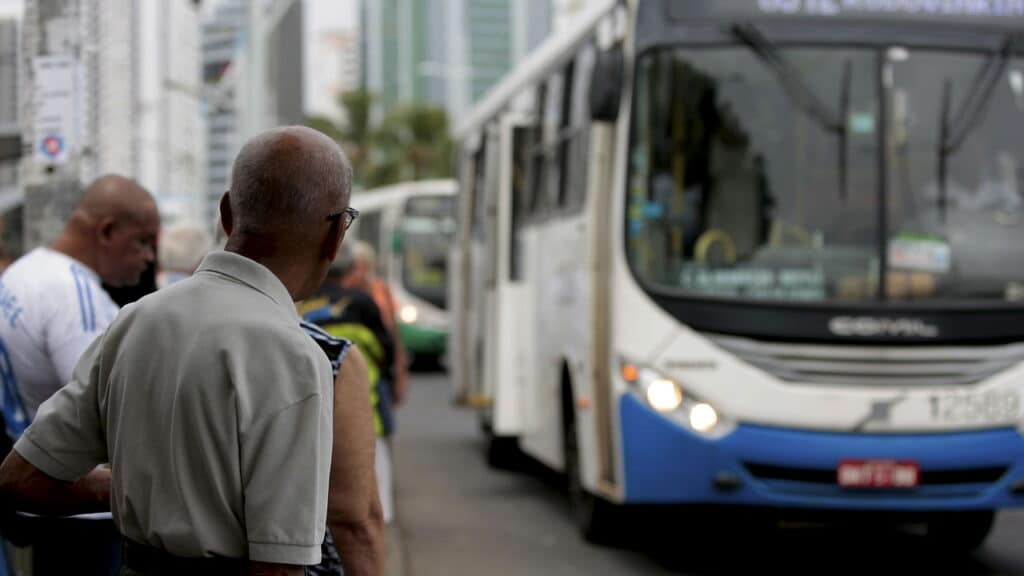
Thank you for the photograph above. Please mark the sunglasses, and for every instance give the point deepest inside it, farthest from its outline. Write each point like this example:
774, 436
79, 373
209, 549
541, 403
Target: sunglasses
350, 215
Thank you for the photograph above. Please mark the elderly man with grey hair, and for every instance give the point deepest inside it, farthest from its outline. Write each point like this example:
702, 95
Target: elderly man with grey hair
216, 411
182, 247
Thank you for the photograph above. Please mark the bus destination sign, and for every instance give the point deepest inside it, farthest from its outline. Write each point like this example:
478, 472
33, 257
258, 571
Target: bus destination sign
981, 8
984, 10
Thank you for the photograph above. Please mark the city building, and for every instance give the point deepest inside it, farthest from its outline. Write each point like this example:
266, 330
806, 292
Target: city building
222, 51
78, 104
334, 70
446, 53
249, 86
170, 151
11, 196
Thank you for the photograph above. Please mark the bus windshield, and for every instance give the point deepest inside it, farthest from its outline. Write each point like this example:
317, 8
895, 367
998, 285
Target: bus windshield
428, 227
757, 172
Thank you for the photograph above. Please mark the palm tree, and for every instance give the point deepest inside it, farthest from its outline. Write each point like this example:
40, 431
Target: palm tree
411, 142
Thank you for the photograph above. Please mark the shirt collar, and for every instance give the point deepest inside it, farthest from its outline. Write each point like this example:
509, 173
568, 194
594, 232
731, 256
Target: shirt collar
249, 272
74, 262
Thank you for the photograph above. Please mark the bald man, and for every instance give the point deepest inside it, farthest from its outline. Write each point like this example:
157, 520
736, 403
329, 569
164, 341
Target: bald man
53, 307
52, 300
213, 406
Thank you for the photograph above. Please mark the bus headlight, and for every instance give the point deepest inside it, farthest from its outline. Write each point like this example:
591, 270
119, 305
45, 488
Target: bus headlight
668, 397
663, 395
703, 417
408, 314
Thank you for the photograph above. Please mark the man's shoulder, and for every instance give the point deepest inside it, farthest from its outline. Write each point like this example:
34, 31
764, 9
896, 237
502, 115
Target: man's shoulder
42, 279
40, 267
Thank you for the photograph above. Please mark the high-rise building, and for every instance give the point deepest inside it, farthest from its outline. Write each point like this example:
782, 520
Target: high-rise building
448, 53
10, 133
11, 196
79, 109
110, 88
222, 50
253, 78
170, 133
334, 61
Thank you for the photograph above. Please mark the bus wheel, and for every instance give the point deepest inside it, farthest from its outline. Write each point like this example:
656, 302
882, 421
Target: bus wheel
502, 451
960, 531
595, 516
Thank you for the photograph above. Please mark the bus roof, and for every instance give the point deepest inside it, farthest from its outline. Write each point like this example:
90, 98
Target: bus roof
949, 11
557, 48
375, 197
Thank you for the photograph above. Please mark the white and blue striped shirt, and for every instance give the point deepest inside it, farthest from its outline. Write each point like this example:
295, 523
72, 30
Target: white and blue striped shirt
51, 308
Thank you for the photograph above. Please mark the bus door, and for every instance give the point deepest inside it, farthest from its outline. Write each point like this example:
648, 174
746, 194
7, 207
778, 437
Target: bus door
460, 294
507, 359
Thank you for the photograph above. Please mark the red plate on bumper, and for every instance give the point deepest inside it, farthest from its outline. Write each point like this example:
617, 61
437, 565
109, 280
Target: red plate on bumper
878, 474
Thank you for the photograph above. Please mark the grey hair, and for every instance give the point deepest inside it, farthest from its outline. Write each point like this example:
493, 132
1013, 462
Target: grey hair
364, 251
291, 177
343, 263
183, 246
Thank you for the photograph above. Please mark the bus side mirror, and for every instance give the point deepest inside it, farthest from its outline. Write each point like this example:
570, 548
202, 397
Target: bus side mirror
606, 81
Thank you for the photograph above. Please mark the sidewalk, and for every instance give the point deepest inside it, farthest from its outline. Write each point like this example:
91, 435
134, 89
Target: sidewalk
395, 564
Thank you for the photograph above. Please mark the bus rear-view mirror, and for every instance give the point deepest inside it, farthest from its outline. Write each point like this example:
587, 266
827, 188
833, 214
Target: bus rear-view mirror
606, 83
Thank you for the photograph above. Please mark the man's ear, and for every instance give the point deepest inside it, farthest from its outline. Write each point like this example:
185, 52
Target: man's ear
105, 229
225, 213
332, 240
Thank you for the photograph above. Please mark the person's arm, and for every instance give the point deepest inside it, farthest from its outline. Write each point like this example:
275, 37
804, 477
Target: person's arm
354, 514
27, 488
52, 468
401, 371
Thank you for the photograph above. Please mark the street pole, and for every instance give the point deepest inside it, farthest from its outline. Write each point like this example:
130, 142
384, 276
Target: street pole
52, 28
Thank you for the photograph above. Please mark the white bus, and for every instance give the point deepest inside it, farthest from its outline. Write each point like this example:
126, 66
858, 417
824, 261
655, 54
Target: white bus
755, 253
411, 225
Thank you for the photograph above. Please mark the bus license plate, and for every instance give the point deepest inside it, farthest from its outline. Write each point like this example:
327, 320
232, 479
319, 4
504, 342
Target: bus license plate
878, 474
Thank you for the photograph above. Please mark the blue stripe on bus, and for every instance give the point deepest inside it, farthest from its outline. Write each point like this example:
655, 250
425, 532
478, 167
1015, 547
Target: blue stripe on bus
663, 462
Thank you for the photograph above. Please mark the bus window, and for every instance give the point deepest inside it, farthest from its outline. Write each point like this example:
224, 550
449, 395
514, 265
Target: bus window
735, 189
537, 167
520, 158
565, 134
369, 231
552, 142
428, 227
478, 195
579, 148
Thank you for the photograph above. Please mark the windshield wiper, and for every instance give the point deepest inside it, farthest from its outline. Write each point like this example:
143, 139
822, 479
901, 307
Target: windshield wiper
954, 132
791, 81
800, 93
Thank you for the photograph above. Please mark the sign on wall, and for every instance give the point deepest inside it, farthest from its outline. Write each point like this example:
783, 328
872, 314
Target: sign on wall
55, 106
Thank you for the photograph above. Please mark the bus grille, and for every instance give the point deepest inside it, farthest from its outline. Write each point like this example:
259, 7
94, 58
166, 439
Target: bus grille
873, 366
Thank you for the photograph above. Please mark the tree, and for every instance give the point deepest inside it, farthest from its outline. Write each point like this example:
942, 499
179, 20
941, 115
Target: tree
410, 143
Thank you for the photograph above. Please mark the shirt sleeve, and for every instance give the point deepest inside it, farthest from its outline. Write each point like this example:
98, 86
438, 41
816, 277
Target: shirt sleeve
66, 439
287, 459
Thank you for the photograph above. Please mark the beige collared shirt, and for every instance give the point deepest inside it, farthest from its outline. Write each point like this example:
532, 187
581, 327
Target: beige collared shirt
214, 409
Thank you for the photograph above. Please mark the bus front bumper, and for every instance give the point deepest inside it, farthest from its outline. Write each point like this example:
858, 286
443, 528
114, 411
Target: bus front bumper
775, 467
423, 340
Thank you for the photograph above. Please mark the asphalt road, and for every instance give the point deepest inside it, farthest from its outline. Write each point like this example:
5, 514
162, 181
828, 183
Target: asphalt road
458, 517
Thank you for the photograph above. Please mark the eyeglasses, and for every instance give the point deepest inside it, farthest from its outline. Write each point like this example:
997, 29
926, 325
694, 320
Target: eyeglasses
349, 213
